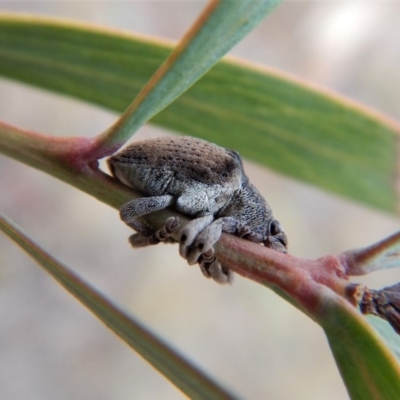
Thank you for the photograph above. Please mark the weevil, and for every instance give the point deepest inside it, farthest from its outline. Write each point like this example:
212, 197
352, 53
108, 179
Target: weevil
202, 180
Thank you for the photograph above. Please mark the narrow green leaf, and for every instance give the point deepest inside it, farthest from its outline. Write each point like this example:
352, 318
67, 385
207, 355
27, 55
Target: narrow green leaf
391, 338
368, 368
194, 383
222, 24
269, 118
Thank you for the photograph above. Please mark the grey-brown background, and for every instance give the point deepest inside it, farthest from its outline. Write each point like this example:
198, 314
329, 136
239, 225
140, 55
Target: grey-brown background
245, 335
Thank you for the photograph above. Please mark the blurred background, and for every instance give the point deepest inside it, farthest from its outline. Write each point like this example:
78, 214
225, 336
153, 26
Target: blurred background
244, 335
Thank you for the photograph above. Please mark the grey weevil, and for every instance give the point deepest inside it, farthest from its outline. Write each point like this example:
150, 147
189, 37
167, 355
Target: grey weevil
201, 180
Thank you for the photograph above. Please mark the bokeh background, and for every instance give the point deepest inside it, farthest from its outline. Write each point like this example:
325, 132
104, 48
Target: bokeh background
244, 335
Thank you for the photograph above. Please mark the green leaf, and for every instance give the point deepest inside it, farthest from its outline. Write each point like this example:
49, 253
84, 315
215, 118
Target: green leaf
391, 338
369, 370
271, 119
220, 26
194, 383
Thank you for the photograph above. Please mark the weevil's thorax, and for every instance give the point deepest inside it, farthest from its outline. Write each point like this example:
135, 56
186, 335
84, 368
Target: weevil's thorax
250, 208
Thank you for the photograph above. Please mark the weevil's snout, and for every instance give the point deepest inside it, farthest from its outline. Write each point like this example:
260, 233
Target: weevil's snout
276, 237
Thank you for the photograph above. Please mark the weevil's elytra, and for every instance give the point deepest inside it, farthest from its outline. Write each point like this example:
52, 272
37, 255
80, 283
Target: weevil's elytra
199, 179
176, 165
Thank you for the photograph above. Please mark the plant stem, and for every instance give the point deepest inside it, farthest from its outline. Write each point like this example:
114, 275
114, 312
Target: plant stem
57, 157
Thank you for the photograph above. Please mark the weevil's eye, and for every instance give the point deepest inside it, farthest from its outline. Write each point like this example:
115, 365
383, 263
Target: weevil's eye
275, 227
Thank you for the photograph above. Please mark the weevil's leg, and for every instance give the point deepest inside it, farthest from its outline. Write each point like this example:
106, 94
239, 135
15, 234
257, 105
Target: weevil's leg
200, 247
217, 272
171, 226
134, 209
206, 239
145, 235
196, 245
212, 268
189, 233
232, 225
197, 240
203, 242
148, 236
278, 243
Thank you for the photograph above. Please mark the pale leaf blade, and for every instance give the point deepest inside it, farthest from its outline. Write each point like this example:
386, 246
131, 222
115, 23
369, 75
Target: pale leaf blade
384, 254
368, 368
221, 25
271, 119
179, 371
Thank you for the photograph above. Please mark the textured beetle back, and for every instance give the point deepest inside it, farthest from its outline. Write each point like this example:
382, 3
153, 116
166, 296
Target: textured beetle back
188, 158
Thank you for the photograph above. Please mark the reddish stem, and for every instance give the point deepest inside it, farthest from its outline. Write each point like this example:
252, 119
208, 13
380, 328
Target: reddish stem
300, 279
76, 153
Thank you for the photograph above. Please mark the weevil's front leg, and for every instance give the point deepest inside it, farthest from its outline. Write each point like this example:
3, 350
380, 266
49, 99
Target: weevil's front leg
212, 268
202, 251
189, 233
201, 240
134, 209
197, 240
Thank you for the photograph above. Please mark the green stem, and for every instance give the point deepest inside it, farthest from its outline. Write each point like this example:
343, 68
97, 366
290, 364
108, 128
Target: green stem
63, 158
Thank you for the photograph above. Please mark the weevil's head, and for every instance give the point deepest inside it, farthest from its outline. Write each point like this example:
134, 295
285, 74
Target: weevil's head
249, 207
276, 237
